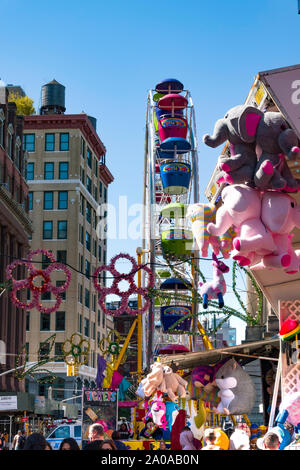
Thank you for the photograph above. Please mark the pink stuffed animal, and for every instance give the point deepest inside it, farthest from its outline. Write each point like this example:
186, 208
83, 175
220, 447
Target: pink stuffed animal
242, 208
217, 287
154, 380
158, 412
280, 214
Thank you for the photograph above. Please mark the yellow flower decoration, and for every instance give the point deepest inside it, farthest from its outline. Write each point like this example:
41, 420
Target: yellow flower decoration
76, 350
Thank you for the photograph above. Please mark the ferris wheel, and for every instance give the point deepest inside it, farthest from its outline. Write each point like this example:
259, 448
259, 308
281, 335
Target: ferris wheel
170, 185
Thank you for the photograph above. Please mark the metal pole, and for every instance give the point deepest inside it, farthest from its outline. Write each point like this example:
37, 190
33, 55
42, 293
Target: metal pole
275, 394
10, 427
139, 253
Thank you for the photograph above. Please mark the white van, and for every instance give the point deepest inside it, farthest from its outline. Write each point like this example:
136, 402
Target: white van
61, 432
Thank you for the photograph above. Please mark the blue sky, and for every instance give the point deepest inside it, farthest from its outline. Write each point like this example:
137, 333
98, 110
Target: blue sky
109, 54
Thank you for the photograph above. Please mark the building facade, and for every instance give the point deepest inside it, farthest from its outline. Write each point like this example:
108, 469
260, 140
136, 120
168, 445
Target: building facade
68, 179
15, 230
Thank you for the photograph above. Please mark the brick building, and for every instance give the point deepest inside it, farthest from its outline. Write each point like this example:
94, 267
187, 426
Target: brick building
15, 229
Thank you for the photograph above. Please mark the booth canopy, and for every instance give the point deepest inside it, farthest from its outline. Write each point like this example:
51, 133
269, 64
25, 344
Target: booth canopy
246, 352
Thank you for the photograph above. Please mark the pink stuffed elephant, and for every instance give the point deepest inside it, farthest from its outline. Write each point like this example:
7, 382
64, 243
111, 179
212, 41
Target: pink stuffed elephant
242, 208
280, 214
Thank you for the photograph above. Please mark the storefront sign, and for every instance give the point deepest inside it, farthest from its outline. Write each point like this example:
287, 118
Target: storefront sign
8, 402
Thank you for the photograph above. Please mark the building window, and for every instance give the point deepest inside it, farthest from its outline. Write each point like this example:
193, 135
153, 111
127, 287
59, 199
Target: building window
93, 330
48, 200
88, 241
105, 194
95, 193
28, 320
2, 131
88, 184
45, 322
87, 298
49, 142
59, 394
60, 321
63, 170
96, 166
30, 171
87, 268
30, 200
82, 147
99, 253
94, 303
47, 230
95, 248
44, 350
79, 323
61, 256
59, 355
80, 293
81, 263
89, 157
46, 295
81, 204
64, 142
49, 171
62, 229
88, 212
62, 199
86, 327
59, 284
29, 142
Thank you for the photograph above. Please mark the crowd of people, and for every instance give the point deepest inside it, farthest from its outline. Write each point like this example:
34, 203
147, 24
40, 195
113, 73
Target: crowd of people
237, 439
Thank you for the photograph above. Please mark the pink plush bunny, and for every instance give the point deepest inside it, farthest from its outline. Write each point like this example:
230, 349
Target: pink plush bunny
158, 411
216, 288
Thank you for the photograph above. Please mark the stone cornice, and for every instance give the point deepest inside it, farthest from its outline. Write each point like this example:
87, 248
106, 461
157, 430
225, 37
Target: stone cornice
67, 121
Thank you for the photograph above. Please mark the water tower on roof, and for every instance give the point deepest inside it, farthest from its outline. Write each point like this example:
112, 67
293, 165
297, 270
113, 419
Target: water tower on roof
53, 98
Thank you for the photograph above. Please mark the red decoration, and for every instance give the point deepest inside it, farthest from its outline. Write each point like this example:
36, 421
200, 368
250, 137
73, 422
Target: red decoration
29, 282
114, 289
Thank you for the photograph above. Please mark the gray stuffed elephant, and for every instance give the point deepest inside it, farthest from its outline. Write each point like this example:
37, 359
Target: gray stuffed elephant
253, 134
240, 167
274, 139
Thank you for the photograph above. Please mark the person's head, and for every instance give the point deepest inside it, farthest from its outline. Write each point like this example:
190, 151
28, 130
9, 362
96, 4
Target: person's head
115, 436
19, 432
162, 445
35, 441
123, 427
69, 444
186, 428
48, 446
107, 445
271, 441
96, 432
210, 436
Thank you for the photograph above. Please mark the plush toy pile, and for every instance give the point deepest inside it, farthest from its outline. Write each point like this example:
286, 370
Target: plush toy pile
258, 215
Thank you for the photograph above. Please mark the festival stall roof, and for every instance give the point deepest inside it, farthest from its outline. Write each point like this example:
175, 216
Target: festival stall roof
246, 352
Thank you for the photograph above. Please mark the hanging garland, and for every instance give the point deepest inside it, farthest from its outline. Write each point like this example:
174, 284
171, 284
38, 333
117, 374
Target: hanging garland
21, 372
124, 295
34, 275
76, 350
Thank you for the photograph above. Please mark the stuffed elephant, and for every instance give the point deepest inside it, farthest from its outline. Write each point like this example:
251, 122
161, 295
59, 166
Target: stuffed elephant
242, 209
240, 167
256, 135
280, 214
273, 139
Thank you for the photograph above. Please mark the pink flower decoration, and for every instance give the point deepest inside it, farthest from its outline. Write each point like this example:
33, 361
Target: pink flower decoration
124, 295
29, 282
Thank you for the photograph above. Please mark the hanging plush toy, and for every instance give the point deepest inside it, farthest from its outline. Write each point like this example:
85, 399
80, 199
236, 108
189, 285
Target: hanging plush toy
237, 391
154, 380
174, 384
158, 411
201, 215
216, 288
242, 209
